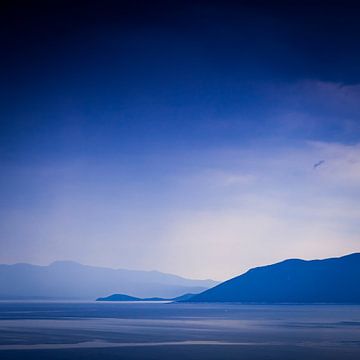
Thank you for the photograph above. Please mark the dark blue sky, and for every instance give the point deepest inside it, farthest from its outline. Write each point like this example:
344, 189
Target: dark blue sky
118, 118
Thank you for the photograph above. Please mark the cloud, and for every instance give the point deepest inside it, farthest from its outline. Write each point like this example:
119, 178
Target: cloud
202, 211
329, 95
314, 109
342, 163
212, 214
319, 163
284, 209
225, 243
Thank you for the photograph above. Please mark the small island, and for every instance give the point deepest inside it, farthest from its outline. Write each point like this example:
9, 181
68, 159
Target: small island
124, 297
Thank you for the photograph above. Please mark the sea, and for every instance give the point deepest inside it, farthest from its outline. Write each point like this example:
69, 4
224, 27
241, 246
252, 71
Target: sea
153, 330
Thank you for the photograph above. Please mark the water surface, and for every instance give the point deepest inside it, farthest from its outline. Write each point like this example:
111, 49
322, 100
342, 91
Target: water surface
74, 330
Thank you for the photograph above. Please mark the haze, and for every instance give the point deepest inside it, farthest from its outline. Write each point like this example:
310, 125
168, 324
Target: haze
194, 140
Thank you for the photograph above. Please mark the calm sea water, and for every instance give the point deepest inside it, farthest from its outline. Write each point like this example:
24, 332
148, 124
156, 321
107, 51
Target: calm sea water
59, 330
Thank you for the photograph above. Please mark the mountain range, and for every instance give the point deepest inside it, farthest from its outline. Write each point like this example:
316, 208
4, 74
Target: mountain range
71, 280
334, 280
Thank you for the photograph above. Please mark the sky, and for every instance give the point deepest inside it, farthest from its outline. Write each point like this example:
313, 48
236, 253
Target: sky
200, 138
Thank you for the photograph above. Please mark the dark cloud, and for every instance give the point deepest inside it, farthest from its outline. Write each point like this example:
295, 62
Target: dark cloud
319, 163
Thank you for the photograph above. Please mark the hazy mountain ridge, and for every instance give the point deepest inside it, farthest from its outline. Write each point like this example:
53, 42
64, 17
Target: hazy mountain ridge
333, 280
71, 280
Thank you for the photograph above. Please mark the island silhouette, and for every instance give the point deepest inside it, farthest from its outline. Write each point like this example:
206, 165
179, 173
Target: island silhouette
333, 280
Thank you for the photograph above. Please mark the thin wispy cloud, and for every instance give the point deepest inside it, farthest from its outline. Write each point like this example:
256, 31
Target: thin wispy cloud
216, 205
319, 163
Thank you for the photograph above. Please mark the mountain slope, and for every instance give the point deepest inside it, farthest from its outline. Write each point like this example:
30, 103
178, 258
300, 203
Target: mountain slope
334, 280
70, 280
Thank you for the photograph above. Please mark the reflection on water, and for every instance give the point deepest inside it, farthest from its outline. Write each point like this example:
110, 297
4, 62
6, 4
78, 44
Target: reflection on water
324, 328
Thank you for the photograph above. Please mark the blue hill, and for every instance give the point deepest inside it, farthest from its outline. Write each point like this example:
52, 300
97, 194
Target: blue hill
71, 280
123, 297
119, 297
334, 280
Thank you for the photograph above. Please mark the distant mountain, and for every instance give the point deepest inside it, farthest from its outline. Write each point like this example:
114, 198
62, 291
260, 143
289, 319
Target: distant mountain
71, 280
118, 297
334, 280
123, 297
